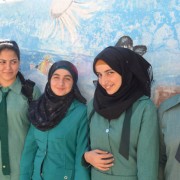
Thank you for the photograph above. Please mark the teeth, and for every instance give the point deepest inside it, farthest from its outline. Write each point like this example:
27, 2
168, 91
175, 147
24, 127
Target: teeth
108, 87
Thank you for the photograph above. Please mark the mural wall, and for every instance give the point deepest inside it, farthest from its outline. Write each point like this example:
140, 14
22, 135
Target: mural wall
76, 30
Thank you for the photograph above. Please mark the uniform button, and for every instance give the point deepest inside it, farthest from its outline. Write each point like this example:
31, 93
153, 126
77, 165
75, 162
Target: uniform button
4, 166
107, 130
65, 177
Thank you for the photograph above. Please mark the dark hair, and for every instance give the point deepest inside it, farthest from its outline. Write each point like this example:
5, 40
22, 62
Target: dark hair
10, 44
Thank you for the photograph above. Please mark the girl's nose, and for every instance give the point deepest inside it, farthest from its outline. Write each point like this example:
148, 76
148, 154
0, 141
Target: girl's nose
61, 82
104, 80
8, 65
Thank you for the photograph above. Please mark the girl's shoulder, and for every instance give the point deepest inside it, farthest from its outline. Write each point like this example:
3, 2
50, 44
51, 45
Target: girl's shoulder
144, 103
79, 105
169, 104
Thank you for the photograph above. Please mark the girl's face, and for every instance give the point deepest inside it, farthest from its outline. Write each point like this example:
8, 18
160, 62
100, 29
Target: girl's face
109, 79
9, 67
61, 82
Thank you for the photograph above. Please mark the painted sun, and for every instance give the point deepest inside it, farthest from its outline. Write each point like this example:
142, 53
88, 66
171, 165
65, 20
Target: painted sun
67, 14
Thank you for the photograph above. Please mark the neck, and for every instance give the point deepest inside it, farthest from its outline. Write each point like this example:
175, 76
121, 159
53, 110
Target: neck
6, 83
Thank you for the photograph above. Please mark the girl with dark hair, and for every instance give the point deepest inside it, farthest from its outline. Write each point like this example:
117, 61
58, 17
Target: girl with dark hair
57, 137
14, 105
123, 127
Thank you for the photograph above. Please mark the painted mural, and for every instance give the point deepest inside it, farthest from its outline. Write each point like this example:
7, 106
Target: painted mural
76, 30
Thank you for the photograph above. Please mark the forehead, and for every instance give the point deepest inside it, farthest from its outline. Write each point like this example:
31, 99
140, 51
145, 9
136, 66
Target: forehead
62, 72
7, 52
102, 67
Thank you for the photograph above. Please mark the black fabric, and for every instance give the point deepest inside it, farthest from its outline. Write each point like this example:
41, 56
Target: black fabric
136, 75
4, 135
74, 72
125, 137
48, 111
27, 87
178, 154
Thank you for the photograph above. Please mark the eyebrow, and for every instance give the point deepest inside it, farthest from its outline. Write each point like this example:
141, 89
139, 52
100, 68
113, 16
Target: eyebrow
64, 75
10, 59
106, 71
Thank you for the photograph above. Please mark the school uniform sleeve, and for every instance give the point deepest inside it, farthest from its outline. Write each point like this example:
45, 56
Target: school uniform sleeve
82, 143
28, 155
148, 144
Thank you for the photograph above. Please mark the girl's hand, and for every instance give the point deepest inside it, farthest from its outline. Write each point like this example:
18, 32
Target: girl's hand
101, 160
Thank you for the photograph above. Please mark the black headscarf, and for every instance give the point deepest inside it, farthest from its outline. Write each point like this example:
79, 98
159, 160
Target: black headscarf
47, 112
136, 75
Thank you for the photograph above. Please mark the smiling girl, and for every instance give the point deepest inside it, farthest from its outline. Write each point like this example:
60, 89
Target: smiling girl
123, 127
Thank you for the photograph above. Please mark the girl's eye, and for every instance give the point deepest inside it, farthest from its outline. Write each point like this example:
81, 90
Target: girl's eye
55, 77
2, 62
98, 75
14, 61
110, 72
68, 79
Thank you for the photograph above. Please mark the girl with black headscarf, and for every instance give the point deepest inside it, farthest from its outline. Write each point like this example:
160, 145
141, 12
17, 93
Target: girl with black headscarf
57, 137
123, 119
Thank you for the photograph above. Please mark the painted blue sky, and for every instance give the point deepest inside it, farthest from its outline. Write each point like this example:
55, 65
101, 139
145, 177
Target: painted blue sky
154, 23
80, 29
